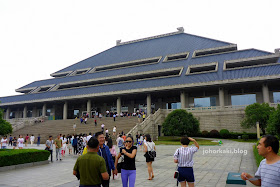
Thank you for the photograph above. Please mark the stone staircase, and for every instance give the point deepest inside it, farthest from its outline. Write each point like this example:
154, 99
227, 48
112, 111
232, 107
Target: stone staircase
55, 127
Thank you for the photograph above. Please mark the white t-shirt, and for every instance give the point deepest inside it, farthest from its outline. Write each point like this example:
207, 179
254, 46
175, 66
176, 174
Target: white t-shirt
141, 139
32, 138
150, 146
4, 142
114, 129
120, 142
107, 131
88, 137
20, 142
102, 126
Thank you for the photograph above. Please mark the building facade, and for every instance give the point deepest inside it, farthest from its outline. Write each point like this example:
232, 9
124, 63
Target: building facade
169, 71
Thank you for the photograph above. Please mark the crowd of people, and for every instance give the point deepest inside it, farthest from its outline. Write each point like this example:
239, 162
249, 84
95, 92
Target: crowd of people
20, 141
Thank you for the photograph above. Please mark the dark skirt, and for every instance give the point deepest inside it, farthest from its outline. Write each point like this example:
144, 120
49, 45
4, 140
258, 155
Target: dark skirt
148, 158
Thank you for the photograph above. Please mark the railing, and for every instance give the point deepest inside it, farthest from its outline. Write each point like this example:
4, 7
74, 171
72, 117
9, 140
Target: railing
19, 123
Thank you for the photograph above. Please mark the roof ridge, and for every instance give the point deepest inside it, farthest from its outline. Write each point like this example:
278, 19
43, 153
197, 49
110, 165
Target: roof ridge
180, 30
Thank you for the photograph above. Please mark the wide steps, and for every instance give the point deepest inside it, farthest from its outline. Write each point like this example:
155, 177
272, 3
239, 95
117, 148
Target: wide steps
55, 127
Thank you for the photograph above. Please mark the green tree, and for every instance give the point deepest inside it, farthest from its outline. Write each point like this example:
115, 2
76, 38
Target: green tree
257, 113
180, 122
5, 127
273, 126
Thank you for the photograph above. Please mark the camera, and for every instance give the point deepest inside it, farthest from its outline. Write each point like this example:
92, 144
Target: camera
176, 174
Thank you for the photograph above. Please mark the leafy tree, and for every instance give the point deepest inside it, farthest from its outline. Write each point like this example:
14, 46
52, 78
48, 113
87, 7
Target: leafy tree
273, 126
180, 122
257, 113
5, 127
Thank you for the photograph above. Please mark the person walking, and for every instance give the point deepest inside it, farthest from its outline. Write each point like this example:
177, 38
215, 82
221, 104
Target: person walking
74, 127
184, 157
20, 142
114, 116
64, 145
14, 141
128, 170
91, 167
49, 145
268, 173
11, 140
148, 147
26, 140
114, 130
38, 140
58, 144
112, 151
32, 139
4, 142
104, 152
120, 142
102, 127
75, 145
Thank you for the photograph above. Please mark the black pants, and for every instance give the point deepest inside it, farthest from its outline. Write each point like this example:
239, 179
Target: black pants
75, 149
105, 183
51, 151
11, 143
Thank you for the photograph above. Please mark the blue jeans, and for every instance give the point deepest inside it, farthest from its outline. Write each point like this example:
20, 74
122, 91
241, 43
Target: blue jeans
4, 147
128, 175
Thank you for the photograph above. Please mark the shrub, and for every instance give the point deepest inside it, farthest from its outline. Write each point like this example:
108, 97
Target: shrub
205, 134
273, 126
224, 133
245, 136
10, 157
214, 134
179, 123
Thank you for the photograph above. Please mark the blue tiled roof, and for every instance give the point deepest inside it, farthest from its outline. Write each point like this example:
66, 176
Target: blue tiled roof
151, 48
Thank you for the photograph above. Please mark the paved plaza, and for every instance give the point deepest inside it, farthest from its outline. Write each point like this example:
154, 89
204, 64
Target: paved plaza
211, 167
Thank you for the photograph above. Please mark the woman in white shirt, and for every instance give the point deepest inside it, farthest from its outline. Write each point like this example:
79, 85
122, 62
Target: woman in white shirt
63, 150
4, 142
20, 142
32, 138
149, 146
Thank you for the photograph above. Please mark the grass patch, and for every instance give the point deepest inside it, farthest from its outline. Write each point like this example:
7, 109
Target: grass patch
246, 141
175, 140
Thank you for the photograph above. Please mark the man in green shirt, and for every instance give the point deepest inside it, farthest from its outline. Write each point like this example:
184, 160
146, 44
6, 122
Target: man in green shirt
91, 166
58, 143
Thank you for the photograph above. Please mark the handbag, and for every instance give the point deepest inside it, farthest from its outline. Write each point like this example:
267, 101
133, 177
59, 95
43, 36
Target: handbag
152, 153
47, 149
119, 165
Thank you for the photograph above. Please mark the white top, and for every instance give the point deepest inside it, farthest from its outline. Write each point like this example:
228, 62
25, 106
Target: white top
114, 129
184, 155
88, 137
107, 131
150, 146
141, 139
102, 126
4, 142
20, 142
85, 119
32, 138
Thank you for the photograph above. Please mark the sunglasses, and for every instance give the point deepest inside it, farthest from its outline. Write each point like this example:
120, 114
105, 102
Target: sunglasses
128, 141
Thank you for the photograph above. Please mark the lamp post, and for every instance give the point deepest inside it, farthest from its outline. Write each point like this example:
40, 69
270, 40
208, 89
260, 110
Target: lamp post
258, 130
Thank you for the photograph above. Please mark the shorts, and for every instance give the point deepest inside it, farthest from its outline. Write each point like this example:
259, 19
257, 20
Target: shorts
140, 142
185, 174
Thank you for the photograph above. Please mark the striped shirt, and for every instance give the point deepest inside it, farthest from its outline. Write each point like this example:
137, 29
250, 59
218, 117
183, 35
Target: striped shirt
269, 174
184, 155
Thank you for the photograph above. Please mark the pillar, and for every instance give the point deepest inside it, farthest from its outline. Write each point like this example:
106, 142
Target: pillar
44, 110
65, 108
221, 97
25, 112
34, 112
265, 92
89, 108
149, 104
8, 111
119, 106
183, 99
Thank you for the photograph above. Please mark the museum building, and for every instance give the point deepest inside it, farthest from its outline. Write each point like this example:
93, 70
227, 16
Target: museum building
168, 71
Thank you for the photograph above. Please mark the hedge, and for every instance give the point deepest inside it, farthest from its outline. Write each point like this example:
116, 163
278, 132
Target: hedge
10, 157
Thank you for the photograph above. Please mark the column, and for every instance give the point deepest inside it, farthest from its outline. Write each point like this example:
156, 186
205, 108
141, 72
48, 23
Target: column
119, 106
44, 110
25, 112
149, 104
8, 111
183, 99
265, 92
89, 108
65, 108
221, 97
34, 112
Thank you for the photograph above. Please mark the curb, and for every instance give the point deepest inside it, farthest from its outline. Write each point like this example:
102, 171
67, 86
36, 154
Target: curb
20, 166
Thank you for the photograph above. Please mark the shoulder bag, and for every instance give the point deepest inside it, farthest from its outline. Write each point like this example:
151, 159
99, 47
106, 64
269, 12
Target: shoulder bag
152, 153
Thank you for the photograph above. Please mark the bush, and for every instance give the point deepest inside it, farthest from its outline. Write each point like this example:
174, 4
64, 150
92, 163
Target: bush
179, 123
205, 134
214, 134
245, 136
224, 133
10, 157
273, 126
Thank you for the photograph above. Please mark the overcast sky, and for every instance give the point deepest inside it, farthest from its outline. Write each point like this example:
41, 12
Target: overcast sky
38, 38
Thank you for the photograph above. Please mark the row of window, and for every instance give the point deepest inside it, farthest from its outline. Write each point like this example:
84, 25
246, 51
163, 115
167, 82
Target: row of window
236, 100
